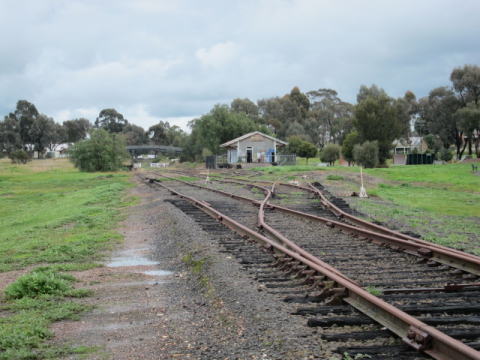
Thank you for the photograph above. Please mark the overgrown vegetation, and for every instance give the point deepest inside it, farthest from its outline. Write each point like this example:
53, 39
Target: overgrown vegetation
104, 151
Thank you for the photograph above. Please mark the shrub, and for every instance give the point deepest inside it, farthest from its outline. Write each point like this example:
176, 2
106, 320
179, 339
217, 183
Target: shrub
330, 153
366, 154
39, 283
19, 157
102, 152
348, 144
445, 154
307, 150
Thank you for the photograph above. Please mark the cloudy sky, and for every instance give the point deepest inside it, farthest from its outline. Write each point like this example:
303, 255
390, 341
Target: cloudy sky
173, 60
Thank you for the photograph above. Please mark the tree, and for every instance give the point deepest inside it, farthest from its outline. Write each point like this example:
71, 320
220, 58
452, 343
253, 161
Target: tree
10, 139
330, 118
57, 137
433, 142
350, 141
25, 113
330, 153
436, 116
158, 133
164, 134
104, 151
366, 154
373, 91
135, 135
296, 129
111, 120
245, 106
294, 143
466, 83
44, 133
218, 126
377, 119
281, 113
307, 150
300, 100
468, 119
76, 129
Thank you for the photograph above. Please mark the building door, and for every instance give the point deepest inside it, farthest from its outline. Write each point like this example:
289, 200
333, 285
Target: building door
249, 154
233, 156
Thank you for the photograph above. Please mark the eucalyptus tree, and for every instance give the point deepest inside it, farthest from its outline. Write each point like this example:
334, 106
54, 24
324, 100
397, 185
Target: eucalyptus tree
76, 129
111, 120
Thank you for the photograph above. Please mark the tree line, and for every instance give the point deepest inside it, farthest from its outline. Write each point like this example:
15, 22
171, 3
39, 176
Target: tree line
317, 120
363, 132
26, 130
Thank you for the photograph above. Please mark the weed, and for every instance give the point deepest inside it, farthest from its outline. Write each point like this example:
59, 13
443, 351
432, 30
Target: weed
196, 266
373, 290
38, 283
335, 177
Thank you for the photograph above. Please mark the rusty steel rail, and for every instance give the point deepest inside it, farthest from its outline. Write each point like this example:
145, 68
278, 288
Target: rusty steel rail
412, 331
442, 254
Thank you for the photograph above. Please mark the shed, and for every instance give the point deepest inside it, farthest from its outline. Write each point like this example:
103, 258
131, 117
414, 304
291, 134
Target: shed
253, 147
405, 146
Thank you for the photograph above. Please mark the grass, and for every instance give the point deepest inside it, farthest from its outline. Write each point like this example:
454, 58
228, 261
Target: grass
439, 202
63, 220
334, 177
56, 216
374, 290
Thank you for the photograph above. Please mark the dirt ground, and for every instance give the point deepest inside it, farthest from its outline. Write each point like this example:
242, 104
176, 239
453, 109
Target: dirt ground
149, 305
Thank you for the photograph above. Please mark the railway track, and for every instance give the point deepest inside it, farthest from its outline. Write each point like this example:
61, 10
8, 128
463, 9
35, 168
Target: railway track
330, 275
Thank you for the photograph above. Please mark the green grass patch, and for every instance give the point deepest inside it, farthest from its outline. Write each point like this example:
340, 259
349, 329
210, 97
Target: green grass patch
53, 215
35, 300
374, 290
57, 216
439, 202
334, 177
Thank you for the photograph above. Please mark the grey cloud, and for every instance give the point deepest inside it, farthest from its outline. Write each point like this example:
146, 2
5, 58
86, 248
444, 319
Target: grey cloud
158, 59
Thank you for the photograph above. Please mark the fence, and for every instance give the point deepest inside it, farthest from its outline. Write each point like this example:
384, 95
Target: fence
288, 159
418, 159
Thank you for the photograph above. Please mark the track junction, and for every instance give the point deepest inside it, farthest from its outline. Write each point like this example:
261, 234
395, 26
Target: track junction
373, 291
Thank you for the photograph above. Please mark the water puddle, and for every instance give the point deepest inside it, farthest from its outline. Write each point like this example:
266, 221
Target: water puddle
158, 272
131, 261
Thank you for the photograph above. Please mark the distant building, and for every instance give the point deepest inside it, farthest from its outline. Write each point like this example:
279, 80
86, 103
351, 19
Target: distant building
403, 147
254, 147
406, 146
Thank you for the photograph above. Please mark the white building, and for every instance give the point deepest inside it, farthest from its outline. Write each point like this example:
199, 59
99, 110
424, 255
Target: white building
254, 147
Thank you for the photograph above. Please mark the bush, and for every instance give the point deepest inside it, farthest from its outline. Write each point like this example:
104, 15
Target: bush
348, 144
307, 150
19, 157
446, 155
39, 283
366, 154
330, 153
102, 152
